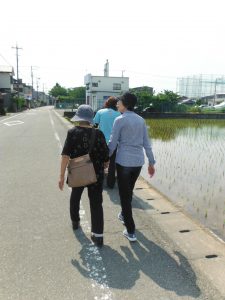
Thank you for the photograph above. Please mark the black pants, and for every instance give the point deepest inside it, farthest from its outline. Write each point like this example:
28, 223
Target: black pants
95, 200
126, 178
111, 177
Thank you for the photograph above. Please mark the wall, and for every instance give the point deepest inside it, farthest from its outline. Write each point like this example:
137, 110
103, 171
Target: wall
99, 88
183, 115
5, 81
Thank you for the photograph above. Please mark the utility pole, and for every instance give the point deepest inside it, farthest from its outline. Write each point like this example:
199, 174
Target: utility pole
214, 99
37, 88
17, 61
43, 96
32, 83
32, 79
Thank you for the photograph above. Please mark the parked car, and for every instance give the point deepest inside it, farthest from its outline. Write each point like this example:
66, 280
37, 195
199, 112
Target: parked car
188, 102
148, 109
137, 109
219, 106
203, 105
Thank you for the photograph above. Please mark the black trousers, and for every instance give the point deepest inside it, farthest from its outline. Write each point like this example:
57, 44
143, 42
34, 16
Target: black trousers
95, 200
126, 178
111, 177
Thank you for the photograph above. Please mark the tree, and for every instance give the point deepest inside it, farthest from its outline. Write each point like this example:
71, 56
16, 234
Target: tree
77, 93
168, 96
166, 101
58, 90
144, 96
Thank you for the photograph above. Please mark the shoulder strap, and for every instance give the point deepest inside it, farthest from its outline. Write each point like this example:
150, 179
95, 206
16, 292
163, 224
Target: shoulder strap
93, 134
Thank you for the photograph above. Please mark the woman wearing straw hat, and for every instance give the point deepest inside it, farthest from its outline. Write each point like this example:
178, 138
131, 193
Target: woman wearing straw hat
77, 144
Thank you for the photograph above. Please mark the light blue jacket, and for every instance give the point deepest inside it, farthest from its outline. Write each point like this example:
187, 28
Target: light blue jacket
130, 136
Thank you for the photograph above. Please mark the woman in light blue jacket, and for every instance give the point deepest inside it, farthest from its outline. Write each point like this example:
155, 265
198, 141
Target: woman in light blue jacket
105, 118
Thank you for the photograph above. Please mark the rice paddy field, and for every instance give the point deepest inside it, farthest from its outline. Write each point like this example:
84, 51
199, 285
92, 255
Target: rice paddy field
190, 167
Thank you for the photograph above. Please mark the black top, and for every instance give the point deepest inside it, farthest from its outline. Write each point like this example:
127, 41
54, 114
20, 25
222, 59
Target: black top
77, 144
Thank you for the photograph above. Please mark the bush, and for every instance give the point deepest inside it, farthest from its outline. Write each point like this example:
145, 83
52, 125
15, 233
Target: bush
194, 109
2, 111
19, 101
180, 108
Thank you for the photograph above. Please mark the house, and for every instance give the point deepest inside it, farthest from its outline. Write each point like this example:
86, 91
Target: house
6, 79
144, 88
6, 86
99, 88
214, 99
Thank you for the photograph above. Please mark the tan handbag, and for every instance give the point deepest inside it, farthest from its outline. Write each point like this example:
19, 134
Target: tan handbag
81, 171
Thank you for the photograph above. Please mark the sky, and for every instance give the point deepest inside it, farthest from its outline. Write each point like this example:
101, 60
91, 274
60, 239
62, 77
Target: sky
153, 42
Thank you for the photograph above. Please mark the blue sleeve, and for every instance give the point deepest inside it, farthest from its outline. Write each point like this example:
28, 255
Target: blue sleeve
97, 118
147, 147
115, 136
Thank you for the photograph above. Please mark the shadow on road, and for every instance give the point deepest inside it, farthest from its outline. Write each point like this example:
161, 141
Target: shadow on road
136, 202
122, 271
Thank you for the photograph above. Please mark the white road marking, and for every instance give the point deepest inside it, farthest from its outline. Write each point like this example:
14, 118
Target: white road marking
68, 125
55, 132
31, 113
93, 263
217, 237
57, 113
10, 118
13, 123
58, 140
52, 121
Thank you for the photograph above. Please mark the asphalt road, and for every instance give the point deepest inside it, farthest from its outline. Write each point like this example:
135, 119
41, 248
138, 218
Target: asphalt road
41, 257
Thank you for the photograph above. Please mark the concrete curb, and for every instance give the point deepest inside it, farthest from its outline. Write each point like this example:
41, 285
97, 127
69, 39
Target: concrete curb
203, 249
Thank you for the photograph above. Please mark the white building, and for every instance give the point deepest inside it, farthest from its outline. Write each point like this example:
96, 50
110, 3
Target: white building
99, 88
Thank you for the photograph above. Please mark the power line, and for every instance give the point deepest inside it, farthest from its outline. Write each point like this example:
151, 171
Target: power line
5, 60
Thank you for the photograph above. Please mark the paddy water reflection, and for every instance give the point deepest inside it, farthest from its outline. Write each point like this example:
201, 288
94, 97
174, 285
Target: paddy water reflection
190, 168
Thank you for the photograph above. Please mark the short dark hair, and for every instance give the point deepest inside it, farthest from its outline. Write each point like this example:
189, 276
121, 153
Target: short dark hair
129, 100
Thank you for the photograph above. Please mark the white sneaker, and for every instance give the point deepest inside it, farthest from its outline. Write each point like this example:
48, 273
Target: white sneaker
121, 218
130, 236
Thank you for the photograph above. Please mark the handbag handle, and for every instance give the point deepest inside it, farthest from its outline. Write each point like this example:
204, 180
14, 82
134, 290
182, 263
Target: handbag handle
93, 134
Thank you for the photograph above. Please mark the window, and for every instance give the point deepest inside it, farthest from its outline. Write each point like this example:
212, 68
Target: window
94, 84
116, 86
